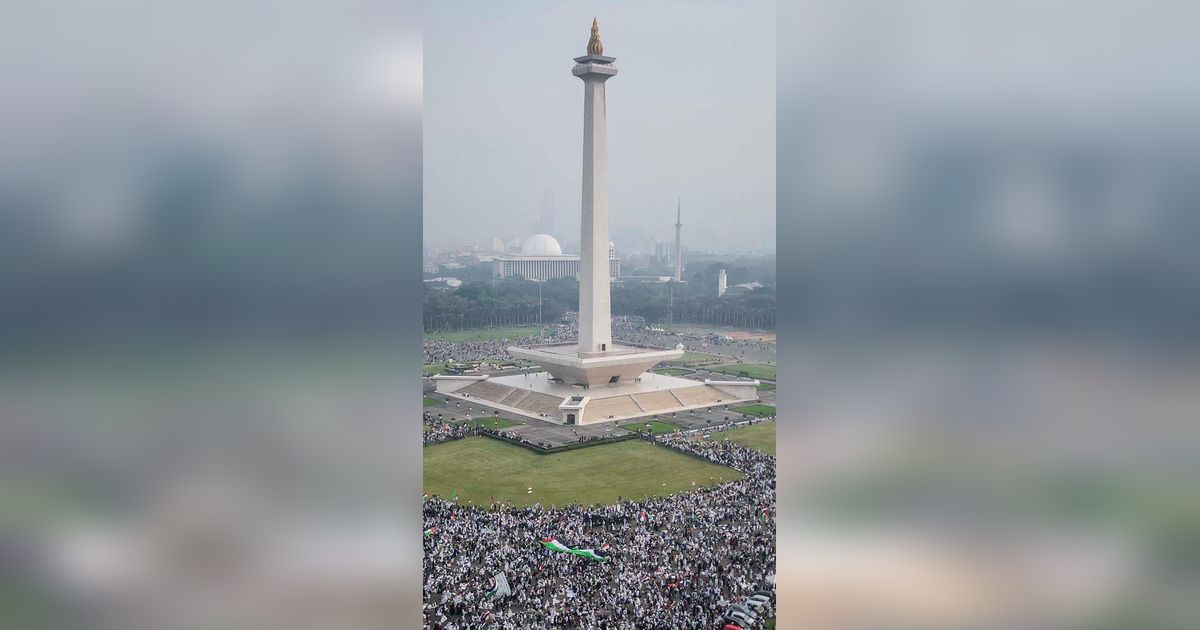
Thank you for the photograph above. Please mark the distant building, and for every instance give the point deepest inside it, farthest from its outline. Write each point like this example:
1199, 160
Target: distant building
501, 244
745, 287
653, 279
722, 281
542, 258
429, 267
445, 283
664, 253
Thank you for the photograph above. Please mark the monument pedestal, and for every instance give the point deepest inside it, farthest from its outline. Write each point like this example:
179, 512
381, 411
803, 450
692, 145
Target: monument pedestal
621, 364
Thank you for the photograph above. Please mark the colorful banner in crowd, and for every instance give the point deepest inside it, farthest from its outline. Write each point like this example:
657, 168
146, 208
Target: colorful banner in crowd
498, 587
591, 554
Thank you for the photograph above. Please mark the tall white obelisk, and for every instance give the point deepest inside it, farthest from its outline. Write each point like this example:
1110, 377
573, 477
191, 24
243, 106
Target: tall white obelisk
595, 319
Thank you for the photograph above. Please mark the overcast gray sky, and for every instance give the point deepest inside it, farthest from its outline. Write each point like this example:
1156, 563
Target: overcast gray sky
691, 114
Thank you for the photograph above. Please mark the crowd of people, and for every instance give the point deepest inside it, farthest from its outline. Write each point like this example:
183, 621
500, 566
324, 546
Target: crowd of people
436, 430
442, 351
673, 562
632, 330
700, 342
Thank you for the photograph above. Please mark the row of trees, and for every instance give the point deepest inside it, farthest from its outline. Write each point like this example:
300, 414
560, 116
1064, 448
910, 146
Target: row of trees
515, 302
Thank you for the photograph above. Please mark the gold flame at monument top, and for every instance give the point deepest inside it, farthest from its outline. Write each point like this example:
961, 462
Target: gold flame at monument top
594, 45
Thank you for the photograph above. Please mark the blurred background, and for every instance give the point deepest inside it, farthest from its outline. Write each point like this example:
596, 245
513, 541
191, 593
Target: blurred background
988, 307
209, 215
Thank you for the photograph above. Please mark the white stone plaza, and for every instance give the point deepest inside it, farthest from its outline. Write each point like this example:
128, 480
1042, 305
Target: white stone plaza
594, 380
540, 396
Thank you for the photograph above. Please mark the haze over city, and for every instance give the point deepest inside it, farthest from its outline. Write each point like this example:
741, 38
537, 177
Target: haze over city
692, 117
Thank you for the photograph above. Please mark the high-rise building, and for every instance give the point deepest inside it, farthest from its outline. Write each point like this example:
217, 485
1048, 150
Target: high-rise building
678, 242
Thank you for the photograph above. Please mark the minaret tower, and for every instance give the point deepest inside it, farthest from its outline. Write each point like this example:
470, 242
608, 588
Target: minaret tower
678, 243
595, 319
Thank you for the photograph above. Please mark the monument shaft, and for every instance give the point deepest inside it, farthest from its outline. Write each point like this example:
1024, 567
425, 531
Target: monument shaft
595, 325
594, 361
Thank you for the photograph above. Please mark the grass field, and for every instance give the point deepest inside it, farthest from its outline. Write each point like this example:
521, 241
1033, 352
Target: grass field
656, 427
695, 357
433, 368
672, 371
764, 386
429, 402
479, 468
490, 422
760, 437
761, 411
484, 334
752, 370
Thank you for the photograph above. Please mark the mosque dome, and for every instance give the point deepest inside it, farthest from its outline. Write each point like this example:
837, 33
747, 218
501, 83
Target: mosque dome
541, 245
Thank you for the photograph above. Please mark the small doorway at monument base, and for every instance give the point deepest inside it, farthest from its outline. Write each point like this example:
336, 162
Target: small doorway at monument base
570, 418
614, 379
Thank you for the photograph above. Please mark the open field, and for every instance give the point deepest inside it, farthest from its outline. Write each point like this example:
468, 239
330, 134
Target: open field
752, 370
760, 437
729, 331
433, 368
656, 427
671, 371
764, 386
479, 468
484, 334
429, 402
756, 410
490, 422
690, 358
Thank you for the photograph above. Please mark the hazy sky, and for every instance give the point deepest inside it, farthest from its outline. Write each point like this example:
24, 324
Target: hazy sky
691, 114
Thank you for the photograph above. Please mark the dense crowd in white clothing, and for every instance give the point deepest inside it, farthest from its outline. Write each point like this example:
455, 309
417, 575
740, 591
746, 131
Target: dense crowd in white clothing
674, 562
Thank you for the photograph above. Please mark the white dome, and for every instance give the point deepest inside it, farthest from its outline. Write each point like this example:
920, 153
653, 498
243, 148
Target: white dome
541, 245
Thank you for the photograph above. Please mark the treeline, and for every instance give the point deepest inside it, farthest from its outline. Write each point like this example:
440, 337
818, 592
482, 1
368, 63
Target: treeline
515, 302
511, 302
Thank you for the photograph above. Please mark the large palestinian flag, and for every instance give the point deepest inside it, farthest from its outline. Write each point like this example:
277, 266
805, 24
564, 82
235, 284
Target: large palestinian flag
591, 554
553, 545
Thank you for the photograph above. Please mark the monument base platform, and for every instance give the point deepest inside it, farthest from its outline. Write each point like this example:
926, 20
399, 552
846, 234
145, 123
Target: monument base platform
540, 396
617, 365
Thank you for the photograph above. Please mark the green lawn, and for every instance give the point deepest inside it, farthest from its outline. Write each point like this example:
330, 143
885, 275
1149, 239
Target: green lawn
761, 411
672, 371
491, 422
751, 370
694, 357
656, 427
760, 437
429, 402
433, 368
763, 386
479, 468
484, 334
